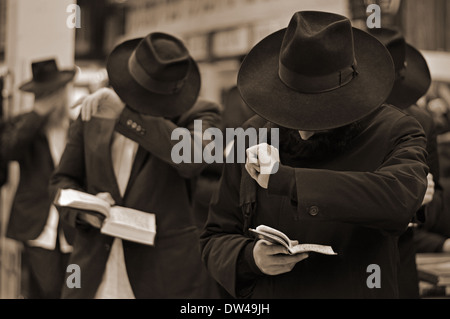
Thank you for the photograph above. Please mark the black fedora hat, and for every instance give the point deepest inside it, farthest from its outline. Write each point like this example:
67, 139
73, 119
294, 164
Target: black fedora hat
319, 73
154, 75
413, 77
47, 77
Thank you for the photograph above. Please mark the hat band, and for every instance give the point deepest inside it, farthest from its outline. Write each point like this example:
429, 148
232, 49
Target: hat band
150, 84
46, 77
316, 84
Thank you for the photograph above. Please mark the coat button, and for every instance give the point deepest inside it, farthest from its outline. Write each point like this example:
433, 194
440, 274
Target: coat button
313, 210
129, 122
134, 125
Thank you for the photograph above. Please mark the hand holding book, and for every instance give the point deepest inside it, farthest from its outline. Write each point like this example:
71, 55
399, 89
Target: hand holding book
95, 220
293, 247
273, 259
112, 220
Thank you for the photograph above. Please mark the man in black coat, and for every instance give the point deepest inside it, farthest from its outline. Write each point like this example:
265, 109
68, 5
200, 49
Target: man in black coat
124, 153
349, 172
36, 141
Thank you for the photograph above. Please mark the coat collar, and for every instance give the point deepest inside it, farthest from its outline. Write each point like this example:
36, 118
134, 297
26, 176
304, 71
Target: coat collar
99, 133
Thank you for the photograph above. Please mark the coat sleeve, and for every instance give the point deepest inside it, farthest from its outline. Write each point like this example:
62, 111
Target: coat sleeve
223, 243
70, 172
386, 198
432, 211
155, 133
19, 133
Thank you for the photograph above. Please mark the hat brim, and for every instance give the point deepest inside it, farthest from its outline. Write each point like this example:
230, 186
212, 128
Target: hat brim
415, 82
142, 100
264, 92
64, 77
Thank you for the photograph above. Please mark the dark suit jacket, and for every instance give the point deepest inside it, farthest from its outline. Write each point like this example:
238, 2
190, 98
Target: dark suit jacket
358, 202
24, 140
170, 269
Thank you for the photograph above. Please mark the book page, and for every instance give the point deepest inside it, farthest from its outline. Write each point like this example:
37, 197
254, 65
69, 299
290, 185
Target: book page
269, 237
275, 232
277, 237
81, 200
130, 224
132, 218
321, 249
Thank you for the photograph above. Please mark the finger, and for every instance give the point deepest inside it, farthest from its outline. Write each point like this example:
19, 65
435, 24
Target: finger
89, 108
78, 102
86, 107
301, 257
92, 220
290, 266
94, 109
87, 111
287, 259
251, 171
252, 156
106, 197
271, 249
255, 166
280, 269
264, 153
83, 112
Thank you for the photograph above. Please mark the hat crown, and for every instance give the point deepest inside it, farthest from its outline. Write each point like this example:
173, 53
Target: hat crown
163, 57
44, 71
395, 42
317, 44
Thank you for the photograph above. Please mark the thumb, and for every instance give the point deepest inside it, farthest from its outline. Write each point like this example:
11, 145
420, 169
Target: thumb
106, 197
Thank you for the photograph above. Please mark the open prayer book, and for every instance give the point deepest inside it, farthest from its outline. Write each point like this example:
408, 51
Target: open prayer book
277, 237
122, 222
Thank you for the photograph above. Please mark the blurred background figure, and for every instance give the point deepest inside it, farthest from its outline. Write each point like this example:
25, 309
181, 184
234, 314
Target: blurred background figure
36, 140
433, 236
413, 80
234, 114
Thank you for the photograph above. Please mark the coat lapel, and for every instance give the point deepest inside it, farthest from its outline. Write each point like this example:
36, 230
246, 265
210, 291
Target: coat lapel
98, 139
140, 159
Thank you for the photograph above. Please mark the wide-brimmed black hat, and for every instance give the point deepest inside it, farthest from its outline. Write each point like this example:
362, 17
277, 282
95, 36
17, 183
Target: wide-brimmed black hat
154, 75
413, 77
319, 73
47, 77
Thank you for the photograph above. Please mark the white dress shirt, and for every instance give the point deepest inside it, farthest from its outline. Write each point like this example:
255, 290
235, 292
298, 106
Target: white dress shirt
115, 283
